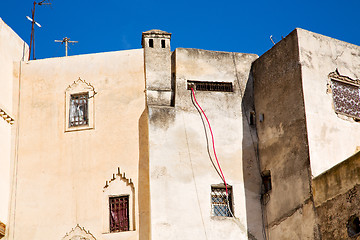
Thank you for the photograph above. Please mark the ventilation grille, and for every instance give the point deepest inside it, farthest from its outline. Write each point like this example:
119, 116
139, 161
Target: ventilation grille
210, 86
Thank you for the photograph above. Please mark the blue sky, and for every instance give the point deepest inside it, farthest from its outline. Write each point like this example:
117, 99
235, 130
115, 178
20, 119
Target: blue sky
238, 26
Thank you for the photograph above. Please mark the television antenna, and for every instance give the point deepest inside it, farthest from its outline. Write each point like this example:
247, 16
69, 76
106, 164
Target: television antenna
66, 40
33, 22
271, 38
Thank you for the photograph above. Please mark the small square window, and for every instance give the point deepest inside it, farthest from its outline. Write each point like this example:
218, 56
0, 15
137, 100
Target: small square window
78, 115
266, 181
220, 204
119, 213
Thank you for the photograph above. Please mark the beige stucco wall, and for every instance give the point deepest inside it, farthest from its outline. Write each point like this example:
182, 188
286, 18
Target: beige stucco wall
337, 180
336, 198
12, 48
5, 147
331, 138
180, 170
61, 175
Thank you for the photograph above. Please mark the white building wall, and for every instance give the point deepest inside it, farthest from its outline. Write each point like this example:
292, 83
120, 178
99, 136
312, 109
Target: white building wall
332, 138
181, 173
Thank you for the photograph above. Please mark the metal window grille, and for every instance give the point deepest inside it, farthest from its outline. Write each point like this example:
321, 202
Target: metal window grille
119, 213
210, 86
78, 110
346, 98
219, 204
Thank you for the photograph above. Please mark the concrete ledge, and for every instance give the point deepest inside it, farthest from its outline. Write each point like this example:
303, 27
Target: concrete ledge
158, 98
337, 180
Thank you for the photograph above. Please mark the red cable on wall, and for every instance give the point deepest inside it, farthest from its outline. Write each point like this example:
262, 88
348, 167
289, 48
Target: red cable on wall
213, 142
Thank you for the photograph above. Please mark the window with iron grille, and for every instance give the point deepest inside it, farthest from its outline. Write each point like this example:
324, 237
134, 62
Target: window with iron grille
119, 213
210, 86
78, 110
220, 205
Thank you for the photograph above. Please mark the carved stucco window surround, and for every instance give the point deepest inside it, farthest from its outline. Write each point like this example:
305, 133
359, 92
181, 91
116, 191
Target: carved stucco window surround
346, 95
79, 106
78, 233
6, 117
121, 189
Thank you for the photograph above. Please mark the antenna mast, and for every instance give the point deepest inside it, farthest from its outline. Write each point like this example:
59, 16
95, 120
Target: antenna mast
66, 40
271, 38
32, 37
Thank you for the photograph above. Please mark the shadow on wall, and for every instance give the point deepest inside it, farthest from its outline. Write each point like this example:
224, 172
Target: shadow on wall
251, 165
144, 187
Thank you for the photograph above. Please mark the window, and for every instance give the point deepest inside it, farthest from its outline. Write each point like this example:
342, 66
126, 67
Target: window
346, 98
210, 86
151, 43
118, 205
346, 95
163, 43
79, 106
353, 226
252, 118
220, 204
79, 110
266, 181
119, 213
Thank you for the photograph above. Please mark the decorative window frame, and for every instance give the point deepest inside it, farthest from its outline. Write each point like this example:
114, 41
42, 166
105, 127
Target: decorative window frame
336, 77
78, 233
6, 117
80, 87
118, 186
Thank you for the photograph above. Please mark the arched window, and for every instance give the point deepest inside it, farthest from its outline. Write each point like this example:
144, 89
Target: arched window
353, 226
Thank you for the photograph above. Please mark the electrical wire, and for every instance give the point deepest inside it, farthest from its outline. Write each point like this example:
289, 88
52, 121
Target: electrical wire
206, 136
213, 142
236, 220
222, 175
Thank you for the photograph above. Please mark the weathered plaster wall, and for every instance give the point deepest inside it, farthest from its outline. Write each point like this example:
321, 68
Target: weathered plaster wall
331, 138
334, 214
12, 48
144, 185
336, 195
337, 180
181, 173
157, 67
283, 146
61, 175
